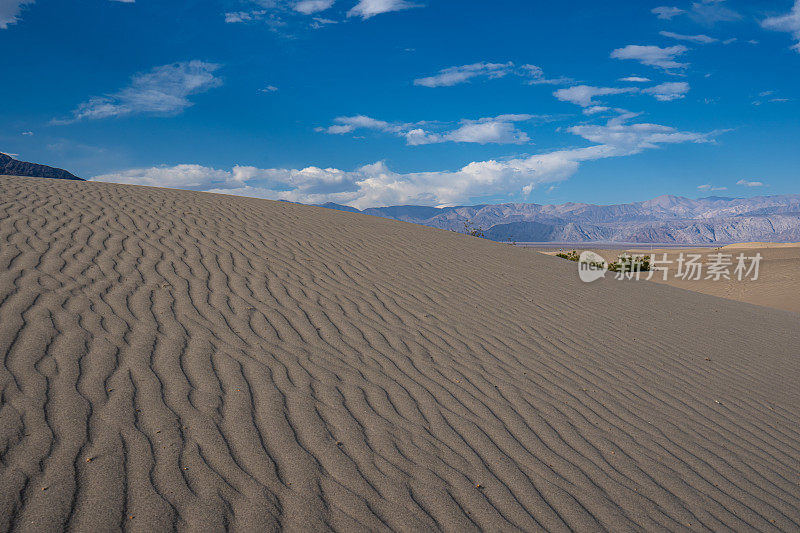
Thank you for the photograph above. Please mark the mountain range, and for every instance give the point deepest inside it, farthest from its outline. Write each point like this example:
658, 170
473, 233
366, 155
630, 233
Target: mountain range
11, 167
666, 220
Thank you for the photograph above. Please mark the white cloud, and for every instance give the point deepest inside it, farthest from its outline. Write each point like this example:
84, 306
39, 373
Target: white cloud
745, 183
709, 187
179, 176
308, 7
500, 130
594, 110
27, 133
244, 16
350, 124
10, 11
454, 75
269, 89
162, 91
377, 185
491, 130
701, 39
369, 8
628, 139
653, 56
713, 11
635, 79
583, 95
536, 76
319, 22
789, 23
667, 92
667, 13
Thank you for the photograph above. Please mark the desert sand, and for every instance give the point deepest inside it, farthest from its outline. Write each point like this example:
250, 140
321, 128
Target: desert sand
761, 245
174, 359
777, 285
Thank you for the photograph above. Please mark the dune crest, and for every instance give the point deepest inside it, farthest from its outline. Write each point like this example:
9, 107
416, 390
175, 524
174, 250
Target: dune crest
180, 359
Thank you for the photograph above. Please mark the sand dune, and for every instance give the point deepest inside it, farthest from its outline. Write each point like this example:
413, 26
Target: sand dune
777, 285
175, 359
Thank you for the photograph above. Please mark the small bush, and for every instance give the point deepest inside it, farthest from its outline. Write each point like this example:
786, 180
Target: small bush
630, 263
469, 229
624, 263
569, 256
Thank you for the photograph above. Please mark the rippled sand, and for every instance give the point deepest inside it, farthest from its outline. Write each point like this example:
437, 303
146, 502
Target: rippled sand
174, 359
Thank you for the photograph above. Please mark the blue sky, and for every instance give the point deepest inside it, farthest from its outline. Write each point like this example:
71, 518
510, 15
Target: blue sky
434, 102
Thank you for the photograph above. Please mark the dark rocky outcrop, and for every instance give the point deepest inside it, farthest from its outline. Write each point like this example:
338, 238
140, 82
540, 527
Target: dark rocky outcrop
11, 167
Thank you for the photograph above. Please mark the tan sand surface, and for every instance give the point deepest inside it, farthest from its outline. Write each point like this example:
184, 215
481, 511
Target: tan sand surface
762, 245
777, 286
174, 359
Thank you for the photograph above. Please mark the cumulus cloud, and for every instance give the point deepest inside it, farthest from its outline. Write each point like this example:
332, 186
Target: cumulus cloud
653, 56
745, 183
789, 23
369, 8
10, 11
377, 185
667, 12
629, 139
164, 90
635, 79
491, 130
667, 92
178, 176
583, 95
499, 130
701, 39
454, 75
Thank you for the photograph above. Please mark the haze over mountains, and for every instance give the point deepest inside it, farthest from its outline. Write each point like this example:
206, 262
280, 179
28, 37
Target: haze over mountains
666, 219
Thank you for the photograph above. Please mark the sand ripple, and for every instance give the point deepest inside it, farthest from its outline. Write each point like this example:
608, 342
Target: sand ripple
182, 360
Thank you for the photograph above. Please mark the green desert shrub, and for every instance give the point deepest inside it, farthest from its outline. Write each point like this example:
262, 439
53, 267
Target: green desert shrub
569, 256
630, 263
475, 231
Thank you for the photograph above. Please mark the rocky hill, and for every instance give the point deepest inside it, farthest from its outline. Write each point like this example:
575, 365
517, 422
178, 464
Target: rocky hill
11, 167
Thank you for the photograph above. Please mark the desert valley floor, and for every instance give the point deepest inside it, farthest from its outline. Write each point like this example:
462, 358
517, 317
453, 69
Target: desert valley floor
181, 360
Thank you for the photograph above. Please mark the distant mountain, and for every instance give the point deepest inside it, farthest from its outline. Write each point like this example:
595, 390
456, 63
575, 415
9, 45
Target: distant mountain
666, 219
11, 167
